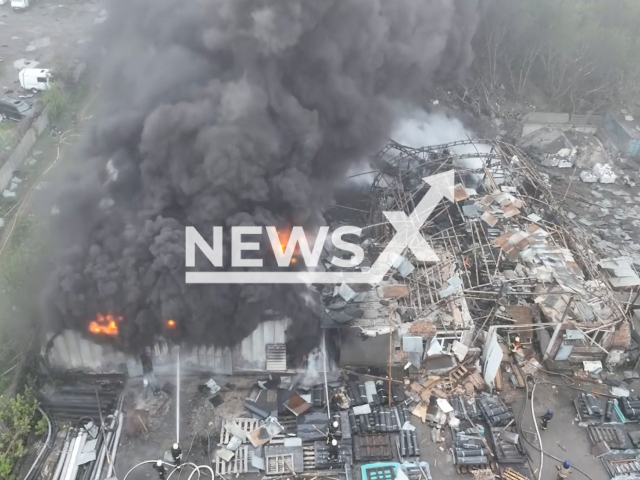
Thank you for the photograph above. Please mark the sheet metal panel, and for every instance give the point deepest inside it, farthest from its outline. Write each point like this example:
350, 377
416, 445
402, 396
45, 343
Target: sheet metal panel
71, 350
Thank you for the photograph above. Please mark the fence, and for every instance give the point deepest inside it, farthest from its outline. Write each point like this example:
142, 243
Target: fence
22, 149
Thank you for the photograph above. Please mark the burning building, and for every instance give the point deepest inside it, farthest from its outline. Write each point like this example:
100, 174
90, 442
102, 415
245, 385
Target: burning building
226, 113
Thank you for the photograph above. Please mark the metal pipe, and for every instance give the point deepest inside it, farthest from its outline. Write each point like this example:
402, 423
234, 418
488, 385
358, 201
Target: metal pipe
73, 464
67, 460
324, 359
116, 442
45, 445
102, 455
90, 470
61, 460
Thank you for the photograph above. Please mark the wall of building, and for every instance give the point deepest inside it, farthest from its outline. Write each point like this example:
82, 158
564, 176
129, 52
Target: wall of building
22, 149
73, 351
562, 121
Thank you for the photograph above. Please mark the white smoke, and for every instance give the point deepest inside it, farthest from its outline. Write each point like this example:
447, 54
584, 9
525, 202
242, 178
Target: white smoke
417, 128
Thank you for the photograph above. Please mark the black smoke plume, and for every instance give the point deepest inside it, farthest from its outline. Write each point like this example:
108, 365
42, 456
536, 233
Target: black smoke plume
231, 112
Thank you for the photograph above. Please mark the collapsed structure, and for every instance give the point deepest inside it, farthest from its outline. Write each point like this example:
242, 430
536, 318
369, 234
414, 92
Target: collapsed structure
507, 261
509, 274
505, 258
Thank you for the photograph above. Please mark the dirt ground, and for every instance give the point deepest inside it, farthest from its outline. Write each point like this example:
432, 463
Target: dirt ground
197, 415
564, 438
49, 30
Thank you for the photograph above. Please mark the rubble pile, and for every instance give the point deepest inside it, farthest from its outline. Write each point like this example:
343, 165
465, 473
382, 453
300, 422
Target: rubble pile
289, 428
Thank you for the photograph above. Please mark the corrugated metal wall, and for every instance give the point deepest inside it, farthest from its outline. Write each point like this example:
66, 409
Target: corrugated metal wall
72, 351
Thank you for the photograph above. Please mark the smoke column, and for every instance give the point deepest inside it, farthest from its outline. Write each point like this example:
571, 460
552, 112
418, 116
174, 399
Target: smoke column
231, 112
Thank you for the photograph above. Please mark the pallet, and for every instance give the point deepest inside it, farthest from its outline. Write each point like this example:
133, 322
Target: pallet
240, 463
484, 474
509, 474
372, 447
279, 464
457, 374
464, 469
246, 425
615, 437
309, 457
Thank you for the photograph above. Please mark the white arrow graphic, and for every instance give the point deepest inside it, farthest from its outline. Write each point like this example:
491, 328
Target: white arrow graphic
407, 235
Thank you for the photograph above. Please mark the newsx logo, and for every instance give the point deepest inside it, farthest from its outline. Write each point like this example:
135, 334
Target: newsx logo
407, 235
297, 242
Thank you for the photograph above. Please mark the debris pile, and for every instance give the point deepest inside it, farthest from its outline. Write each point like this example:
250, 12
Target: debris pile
602, 173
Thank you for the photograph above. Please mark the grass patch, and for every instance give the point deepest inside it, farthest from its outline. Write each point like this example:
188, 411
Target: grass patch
7, 135
19, 417
57, 101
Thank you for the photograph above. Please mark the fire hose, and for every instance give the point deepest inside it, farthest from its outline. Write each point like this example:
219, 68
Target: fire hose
539, 449
144, 463
45, 445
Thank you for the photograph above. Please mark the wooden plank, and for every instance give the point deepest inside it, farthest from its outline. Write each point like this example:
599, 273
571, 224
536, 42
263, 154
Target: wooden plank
498, 380
509, 474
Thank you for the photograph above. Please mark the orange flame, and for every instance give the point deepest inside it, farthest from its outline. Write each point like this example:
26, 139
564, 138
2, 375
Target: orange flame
172, 324
284, 234
105, 325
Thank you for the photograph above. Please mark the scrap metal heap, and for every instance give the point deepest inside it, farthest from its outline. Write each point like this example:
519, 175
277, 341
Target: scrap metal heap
512, 284
290, 429
506, 259
512, 278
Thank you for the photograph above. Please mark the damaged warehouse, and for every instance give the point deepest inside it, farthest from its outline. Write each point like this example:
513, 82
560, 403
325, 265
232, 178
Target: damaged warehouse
510, 291
417, 300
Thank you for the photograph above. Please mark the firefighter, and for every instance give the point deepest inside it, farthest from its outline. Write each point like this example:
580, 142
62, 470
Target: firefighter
334, 451
334, 427
545, 419
516, 345
332, 441
162, 471
564, 471
176, 453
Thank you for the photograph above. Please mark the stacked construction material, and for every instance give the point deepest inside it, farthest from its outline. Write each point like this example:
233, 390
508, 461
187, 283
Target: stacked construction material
380, 420
495, 413
409, 444
470, 450
387, 420
630, 407
90, 451
466, 410
588, 408
508, 446
78, 396
378, 393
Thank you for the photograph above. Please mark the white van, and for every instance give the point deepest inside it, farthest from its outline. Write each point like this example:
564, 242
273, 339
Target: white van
35, 79
20, 4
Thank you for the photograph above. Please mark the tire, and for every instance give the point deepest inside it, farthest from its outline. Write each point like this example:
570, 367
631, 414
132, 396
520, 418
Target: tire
34, 90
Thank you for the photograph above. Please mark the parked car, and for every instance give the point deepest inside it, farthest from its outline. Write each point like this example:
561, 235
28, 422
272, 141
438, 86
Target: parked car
21, 4
14, 109
35, 79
